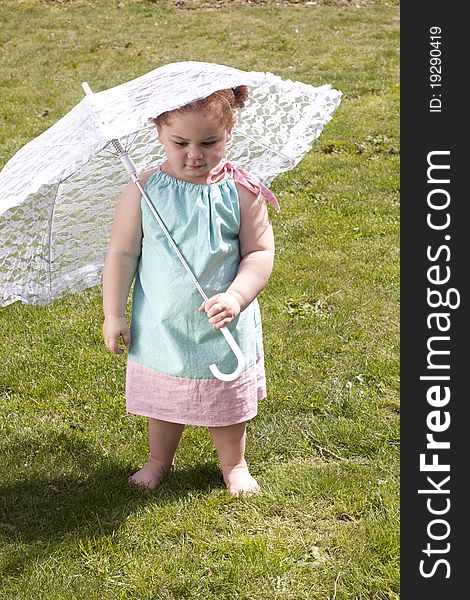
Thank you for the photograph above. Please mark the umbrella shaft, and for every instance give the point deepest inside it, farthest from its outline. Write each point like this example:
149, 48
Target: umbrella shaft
171, 241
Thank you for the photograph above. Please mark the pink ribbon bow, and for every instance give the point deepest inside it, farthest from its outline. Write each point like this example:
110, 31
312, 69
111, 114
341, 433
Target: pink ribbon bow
245, 179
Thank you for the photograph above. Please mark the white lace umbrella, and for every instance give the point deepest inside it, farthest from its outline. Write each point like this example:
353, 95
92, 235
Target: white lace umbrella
58, 193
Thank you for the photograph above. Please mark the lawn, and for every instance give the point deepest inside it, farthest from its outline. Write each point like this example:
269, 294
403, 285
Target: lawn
324, 446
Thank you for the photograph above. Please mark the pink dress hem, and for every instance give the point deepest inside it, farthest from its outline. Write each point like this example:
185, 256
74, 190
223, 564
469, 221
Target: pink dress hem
201, 402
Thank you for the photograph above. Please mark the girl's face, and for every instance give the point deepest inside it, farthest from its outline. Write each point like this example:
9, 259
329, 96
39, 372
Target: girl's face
194, 144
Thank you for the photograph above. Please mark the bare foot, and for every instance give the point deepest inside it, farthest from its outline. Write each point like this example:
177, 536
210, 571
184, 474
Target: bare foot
239, 481
149, 476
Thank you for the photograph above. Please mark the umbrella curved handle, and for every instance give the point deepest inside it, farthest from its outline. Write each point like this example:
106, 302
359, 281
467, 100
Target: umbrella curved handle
238, 353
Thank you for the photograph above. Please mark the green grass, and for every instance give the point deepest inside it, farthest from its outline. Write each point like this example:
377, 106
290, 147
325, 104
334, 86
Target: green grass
325, 443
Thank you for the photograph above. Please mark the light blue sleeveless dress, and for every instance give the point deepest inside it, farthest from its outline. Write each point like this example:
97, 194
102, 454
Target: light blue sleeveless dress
172, 343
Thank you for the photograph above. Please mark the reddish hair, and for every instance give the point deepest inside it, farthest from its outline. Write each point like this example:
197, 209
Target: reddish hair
219, 105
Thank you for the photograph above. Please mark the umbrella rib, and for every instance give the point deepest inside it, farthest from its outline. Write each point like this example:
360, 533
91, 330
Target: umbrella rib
88, 161
51, 219
113, 154
248, 137
129, 143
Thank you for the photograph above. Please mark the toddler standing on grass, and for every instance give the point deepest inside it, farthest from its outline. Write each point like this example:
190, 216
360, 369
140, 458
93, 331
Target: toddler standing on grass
218, 218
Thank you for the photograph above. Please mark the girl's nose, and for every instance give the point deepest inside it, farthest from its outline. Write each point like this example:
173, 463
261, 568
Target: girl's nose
194, 152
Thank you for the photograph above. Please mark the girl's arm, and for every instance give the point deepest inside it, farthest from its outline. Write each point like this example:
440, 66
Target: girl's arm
257, 252
120, 265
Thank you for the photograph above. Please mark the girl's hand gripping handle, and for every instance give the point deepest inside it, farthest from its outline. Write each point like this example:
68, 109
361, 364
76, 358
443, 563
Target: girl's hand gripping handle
238, 353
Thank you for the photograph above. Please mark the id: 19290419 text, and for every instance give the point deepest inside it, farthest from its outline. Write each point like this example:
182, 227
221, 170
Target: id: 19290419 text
435, 69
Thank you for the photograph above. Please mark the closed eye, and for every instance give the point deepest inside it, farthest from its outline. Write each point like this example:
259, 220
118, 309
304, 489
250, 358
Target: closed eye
210, 143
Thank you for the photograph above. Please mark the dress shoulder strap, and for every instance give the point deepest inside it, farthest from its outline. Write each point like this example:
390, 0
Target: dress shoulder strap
245, 179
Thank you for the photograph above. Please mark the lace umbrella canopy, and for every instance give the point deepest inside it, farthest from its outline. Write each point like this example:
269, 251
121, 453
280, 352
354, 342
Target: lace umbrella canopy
58, 193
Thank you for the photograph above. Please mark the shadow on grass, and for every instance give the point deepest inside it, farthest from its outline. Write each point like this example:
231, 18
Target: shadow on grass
89, 499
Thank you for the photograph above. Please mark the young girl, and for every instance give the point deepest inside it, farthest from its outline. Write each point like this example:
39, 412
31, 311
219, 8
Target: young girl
219, 221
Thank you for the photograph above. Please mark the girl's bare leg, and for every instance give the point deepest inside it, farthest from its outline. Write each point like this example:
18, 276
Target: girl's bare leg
230, 444
163, 441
